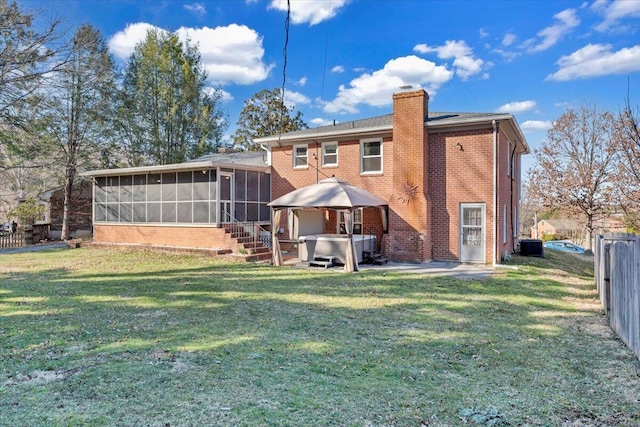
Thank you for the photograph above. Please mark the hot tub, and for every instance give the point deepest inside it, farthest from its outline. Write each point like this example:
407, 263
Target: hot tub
334, 245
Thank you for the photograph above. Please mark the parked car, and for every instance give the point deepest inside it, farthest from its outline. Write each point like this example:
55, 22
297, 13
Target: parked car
5, 229
563, 245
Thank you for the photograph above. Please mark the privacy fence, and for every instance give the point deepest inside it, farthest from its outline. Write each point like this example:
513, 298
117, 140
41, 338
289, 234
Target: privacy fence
11, 240
617, 273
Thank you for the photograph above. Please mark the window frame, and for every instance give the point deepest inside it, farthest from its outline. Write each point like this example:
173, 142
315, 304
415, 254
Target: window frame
295, 156
324, 154
363, 142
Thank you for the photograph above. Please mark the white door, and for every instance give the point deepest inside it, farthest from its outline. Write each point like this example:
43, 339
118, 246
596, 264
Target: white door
472, 232
226, 200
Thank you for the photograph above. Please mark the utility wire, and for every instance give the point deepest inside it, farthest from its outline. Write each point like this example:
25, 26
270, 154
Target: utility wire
284, 67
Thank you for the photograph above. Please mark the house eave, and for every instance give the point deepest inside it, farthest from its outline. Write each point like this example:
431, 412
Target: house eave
176, 167
514, 134
274, 141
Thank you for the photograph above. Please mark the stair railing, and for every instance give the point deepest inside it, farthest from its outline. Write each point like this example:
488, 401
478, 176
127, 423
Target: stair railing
252, 229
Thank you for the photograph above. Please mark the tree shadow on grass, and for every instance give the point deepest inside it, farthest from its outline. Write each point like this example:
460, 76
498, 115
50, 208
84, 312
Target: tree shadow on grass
255, 345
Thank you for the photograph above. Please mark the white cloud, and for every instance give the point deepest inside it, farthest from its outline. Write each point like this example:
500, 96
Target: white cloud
595, 60
309, 11
536, 125
508, 56
337, 69
292, 99
516, 107
483, 33
615, 12
547, 37
122, 43
320, 122
226, 96
219, 49
301, 82
464, 62
508, 39
376, 88
197, 9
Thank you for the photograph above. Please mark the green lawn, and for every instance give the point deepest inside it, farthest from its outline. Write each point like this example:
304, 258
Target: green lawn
136, 338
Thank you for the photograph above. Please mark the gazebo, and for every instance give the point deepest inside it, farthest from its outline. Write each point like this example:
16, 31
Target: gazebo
330, 193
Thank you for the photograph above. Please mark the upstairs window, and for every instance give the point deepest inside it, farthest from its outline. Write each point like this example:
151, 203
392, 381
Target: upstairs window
300, 157
330, 154
371, 156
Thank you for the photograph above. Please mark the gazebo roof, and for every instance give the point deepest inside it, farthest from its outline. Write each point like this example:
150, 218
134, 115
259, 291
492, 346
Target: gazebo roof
330, 193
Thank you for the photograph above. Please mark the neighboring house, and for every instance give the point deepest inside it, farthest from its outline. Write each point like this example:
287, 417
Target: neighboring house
79, 215
563, 228
188, 205
452, 180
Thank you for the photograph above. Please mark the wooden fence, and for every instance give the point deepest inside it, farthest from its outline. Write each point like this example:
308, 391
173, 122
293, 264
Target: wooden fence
617, 274
11, 240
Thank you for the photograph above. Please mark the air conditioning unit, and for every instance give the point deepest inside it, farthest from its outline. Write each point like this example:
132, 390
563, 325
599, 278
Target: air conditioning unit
531, 247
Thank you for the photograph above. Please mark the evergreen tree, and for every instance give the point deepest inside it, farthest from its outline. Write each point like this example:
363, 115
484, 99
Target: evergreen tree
265, 114
166, 112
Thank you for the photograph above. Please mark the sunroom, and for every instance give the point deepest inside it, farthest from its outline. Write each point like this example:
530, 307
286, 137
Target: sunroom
185, 205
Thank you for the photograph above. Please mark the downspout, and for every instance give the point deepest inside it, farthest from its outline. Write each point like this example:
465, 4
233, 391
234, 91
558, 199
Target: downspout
512, 166
495, 191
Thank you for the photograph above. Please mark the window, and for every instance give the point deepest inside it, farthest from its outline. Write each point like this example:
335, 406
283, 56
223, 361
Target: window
357, 222
371, 156
300, 157
330, 154
187, 197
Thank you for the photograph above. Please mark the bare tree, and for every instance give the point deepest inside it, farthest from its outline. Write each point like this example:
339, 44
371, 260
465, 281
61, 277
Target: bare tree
28, 57
72, 120
575, 164
628, 166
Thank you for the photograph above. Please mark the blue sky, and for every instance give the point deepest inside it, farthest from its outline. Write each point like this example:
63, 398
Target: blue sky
345, 58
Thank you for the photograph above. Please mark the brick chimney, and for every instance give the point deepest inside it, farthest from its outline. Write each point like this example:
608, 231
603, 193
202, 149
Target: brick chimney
409, 217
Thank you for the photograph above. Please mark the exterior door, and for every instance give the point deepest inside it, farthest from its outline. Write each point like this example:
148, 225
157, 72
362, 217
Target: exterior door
226, 202
472, 232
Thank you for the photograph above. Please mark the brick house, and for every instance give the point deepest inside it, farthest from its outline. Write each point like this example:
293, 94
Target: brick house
562, 228
80, 220
452, 180
199, 205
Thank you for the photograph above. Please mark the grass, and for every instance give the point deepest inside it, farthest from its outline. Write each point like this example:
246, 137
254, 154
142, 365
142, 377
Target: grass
116, 337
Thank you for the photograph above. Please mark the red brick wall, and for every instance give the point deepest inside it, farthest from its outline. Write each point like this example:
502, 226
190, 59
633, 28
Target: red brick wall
166, 236
508, 185
80, 214
459, 176
285, 179
410, 234
443, 176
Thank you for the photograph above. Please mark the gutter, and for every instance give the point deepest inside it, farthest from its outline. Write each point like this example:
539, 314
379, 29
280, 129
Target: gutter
176, 167
314, 136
